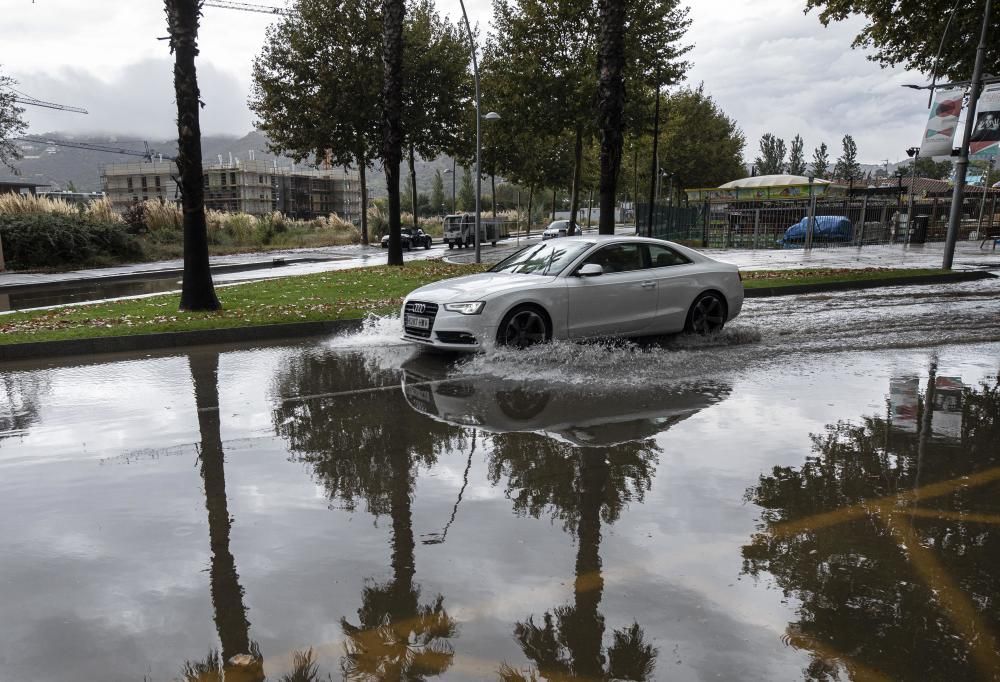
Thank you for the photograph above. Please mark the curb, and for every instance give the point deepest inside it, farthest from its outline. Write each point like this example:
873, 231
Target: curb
912, 280
167, 340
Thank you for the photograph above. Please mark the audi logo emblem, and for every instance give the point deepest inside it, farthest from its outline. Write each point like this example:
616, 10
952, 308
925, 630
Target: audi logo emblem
419, 307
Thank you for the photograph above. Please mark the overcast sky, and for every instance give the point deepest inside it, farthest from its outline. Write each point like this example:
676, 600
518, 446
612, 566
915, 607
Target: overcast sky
768, 65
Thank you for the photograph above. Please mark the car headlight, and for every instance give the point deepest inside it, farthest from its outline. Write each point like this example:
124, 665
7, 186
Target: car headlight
467, 308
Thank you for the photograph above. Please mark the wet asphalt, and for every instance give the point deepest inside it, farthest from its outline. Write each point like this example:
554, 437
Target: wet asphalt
812, 493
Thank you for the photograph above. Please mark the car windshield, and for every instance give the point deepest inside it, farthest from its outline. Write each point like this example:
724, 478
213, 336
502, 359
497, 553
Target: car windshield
542, 259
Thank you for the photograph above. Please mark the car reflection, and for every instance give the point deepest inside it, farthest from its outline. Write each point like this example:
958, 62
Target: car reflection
579, 416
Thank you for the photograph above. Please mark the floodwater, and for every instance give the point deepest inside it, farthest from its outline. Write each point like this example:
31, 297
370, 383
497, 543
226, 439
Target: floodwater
812, 495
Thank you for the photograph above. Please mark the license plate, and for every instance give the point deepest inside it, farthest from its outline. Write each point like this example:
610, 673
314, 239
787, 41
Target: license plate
417, 322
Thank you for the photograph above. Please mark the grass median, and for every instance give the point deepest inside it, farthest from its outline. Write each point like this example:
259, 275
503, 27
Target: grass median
345, 294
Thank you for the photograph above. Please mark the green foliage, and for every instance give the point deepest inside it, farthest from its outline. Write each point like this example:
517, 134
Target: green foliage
466, 192
821, 162
699, 145
909, 32
847, 166
796, 157
50, 241
438, 204
12, 123
772, 156
935, 170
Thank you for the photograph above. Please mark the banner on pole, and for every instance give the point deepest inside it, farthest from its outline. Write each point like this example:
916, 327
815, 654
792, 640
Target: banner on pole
985, 140
939, 136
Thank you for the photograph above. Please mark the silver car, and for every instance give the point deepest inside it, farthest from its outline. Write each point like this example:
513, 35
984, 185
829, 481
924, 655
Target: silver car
557, 228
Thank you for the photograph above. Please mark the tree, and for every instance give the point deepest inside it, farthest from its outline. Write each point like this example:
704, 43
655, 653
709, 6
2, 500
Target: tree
307, 103
437, 193
393, 14
821, 162
909, 32
466, 192
701, 146
847, 167
12, 123
772, 155
610, 104
796, 158
197, 289
935, 170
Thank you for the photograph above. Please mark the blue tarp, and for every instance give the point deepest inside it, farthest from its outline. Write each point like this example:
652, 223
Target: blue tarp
827, 228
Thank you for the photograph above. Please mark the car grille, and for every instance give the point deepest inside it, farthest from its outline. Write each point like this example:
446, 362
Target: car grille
423, 310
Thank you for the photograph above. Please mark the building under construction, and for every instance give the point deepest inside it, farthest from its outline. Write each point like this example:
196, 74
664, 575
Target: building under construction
253, 187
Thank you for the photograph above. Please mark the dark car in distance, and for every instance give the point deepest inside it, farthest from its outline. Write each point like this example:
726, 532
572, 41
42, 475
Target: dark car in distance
412, 238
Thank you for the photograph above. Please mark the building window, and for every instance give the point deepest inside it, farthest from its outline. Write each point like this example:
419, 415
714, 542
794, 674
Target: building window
260, 180
142, 180
232, 178
207, 183
157, 182
128, 182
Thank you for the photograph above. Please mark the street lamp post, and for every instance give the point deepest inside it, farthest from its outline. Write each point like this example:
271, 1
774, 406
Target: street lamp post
962, 165
913, 153
493, 116
479, 149
451, 172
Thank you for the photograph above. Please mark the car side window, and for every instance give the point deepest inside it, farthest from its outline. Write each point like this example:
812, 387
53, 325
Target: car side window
662, 257
617, 258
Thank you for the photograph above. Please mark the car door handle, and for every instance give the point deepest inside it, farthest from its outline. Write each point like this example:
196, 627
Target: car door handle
647, 285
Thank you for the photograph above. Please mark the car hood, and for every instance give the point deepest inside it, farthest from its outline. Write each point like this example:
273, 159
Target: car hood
476, 287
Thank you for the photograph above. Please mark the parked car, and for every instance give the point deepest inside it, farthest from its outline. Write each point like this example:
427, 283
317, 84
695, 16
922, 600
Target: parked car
576, 288
826, 228
412, 238
557, 228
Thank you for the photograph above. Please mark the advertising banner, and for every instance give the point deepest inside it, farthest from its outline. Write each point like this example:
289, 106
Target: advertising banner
939, 136
985, 140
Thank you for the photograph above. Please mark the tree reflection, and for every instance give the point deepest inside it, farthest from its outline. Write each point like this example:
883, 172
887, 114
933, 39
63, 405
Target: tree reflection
241, 659
364, 443
582, 487
887, 539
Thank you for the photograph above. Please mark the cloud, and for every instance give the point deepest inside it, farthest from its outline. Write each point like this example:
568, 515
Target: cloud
138, 100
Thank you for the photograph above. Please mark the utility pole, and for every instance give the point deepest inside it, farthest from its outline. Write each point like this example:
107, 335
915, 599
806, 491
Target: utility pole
962, 166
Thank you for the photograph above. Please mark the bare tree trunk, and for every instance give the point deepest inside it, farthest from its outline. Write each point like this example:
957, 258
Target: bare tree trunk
363, 177
611, 104
413, 188
493, 189
197, 289
393, 13
574, 200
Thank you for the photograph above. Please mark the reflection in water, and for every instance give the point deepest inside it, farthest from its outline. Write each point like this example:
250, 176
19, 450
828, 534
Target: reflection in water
366, 444
887, 537
241, 659
582, 416
581, 487
22, 392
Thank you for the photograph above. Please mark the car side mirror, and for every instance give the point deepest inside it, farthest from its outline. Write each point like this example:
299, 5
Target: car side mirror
590, 270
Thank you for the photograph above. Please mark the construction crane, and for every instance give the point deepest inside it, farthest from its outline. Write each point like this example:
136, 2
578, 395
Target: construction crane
31, 101
148, 154
247, 7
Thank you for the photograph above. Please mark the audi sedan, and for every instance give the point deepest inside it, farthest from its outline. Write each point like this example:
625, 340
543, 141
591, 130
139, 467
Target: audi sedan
577, 288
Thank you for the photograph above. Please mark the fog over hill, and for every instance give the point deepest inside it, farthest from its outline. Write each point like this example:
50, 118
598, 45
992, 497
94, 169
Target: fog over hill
61, 167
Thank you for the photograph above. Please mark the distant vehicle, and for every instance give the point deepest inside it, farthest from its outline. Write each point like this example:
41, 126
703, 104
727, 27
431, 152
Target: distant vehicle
557, 228
826, 228
576, 288
460, 230
411, 238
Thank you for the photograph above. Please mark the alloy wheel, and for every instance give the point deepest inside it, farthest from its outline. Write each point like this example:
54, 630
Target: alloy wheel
707, 315
524, 328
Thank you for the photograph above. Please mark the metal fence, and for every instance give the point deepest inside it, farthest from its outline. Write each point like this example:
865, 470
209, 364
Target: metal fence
874, 220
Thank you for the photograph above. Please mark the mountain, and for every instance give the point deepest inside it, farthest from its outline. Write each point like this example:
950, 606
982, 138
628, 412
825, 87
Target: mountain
62, 167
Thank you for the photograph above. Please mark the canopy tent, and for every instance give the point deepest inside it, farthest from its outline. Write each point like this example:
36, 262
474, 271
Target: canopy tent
773, 181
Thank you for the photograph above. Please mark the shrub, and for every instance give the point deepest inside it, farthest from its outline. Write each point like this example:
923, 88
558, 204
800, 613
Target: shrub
39, 240
161, 215
135, 217
101, 211
24, 204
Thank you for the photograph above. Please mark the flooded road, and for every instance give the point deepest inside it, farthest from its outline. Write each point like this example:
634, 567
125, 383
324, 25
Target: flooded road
812, 495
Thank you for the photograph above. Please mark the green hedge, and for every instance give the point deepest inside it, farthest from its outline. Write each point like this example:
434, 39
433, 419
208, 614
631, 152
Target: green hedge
47, 240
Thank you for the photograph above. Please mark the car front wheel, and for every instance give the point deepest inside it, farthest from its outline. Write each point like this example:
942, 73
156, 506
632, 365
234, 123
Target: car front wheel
707, 314
522, 327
